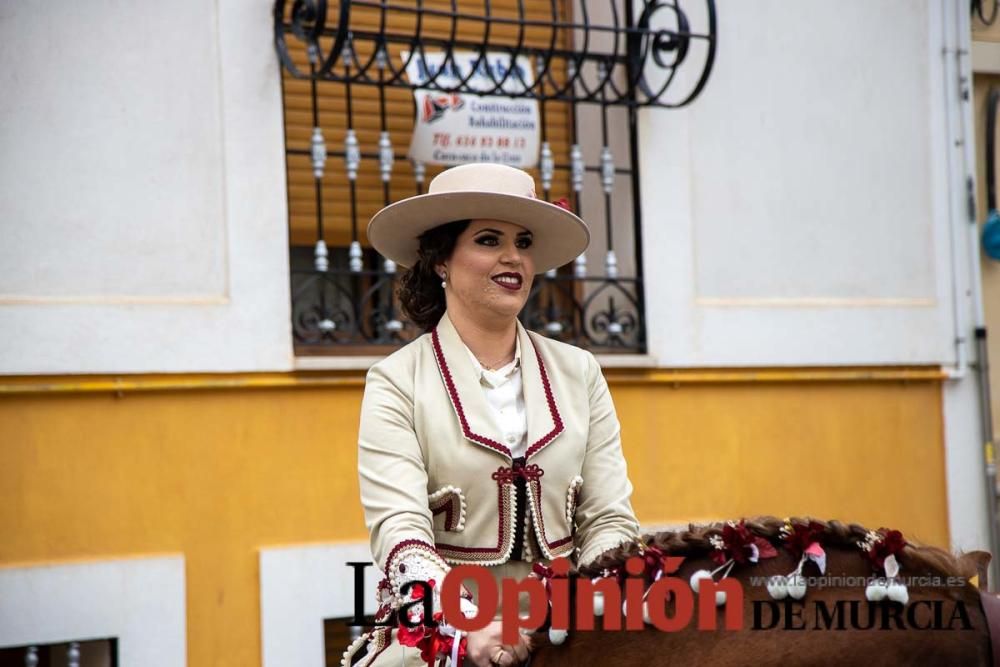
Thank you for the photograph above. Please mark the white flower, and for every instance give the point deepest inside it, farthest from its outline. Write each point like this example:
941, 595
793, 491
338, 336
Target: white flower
871, 537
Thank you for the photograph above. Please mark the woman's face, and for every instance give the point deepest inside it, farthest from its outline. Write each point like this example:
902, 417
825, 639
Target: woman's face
490, 270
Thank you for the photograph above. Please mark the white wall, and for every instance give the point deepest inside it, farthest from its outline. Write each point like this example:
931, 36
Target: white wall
300, 587
138, 601
798, 211
794, 214
143, 216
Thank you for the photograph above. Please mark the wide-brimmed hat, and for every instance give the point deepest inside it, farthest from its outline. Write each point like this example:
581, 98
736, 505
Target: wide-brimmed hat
481, 190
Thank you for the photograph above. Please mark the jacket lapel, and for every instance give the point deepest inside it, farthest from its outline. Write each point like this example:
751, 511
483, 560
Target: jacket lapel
544, 420
467, 398
471, 409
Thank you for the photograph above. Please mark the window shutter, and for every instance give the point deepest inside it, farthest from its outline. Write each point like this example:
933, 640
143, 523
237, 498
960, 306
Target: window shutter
365, 108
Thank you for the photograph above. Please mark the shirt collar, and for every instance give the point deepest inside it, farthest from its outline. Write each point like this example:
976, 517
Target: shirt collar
497, 377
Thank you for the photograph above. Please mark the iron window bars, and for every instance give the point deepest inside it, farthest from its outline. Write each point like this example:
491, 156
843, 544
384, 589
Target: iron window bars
346, 301
978, 9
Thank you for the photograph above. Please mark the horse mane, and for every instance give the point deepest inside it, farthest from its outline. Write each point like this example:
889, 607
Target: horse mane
694, 543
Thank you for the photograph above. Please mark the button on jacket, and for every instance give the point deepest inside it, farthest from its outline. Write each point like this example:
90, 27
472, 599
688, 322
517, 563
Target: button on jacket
435, 472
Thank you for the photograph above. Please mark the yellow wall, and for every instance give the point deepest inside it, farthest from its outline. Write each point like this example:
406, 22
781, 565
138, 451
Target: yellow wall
216, 474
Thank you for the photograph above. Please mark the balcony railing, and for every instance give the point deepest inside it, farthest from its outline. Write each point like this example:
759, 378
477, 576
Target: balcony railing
594, 65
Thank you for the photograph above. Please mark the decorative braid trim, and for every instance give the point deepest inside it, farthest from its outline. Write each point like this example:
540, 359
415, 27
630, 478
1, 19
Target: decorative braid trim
345, 660
417, 548
456, 402
549, 549
451, 501
527, 549
378, 640
571, 497
486, 556
557, 421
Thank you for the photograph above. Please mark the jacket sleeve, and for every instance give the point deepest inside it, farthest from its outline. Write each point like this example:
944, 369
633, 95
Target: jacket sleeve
393, 483
604, 513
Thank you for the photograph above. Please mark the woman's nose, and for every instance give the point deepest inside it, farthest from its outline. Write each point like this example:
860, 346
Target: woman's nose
511, 254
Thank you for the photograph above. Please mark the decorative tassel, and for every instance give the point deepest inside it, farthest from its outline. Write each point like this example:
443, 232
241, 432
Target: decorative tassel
598, 603
876, 591
777, 587
696, 578
796, 586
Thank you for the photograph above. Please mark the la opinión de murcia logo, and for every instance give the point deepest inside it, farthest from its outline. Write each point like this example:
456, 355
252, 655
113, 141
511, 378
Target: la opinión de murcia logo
630, 605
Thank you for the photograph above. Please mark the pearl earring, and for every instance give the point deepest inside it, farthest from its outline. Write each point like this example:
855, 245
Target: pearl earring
443, 277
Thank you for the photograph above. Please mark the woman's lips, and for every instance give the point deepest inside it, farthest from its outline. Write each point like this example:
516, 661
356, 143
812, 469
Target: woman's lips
508, 281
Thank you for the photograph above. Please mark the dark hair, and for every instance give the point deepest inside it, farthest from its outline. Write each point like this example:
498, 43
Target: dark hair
420, 293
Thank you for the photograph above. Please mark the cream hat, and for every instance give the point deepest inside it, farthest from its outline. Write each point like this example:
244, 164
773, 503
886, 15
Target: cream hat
480, 190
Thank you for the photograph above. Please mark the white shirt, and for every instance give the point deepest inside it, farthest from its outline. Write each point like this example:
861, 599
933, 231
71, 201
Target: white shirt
503, 390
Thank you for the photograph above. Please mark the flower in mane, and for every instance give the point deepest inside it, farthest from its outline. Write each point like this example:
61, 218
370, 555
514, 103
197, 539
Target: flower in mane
652, 559
880, 548
546, 574
797, 538
879, 545
738, 544
802, 540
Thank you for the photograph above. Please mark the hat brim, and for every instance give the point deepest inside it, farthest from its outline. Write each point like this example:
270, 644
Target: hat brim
558, 236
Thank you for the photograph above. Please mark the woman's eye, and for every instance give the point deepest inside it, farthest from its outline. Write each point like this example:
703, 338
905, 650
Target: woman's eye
523, 243
487, 239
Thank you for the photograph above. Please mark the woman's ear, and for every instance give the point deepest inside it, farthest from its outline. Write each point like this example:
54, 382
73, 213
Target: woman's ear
441, 269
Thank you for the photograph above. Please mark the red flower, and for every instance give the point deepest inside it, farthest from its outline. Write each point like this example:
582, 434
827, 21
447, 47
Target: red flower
431, 642
802, 536
562, 202
417, 592
652, 559
411, 636
742, 546
545, 574
448, 642
891, 543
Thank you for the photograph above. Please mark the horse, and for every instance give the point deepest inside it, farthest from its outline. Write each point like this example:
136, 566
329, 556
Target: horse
937, 613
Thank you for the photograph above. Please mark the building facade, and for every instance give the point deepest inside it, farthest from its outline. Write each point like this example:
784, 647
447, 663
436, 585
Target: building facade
178, 470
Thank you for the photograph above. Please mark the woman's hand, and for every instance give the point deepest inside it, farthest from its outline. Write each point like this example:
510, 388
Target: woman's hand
486, 648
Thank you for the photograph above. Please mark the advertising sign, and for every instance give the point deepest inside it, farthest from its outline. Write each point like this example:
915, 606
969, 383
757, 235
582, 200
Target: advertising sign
456, 128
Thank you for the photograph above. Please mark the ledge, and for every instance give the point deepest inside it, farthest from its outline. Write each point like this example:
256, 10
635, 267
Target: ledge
363, 363
343, 363
349, 375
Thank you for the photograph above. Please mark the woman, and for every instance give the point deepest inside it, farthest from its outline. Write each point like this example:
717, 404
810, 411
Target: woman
481, 442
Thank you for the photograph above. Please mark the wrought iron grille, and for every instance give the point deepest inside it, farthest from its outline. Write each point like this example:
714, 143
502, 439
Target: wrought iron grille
986, 16
83, 653
596, 63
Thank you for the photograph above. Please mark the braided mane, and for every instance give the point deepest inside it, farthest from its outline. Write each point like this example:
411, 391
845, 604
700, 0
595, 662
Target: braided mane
694, 543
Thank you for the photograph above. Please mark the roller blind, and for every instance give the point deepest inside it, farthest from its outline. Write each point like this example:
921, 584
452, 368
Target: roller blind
336, 100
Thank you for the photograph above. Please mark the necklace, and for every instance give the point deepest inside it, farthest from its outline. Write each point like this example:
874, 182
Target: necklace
496, 364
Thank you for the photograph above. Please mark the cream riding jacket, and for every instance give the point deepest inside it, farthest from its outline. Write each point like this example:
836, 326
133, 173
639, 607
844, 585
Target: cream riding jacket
438, 481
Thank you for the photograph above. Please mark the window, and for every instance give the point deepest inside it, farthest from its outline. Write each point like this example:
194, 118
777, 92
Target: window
91, 653
349, 111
